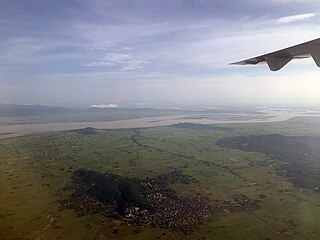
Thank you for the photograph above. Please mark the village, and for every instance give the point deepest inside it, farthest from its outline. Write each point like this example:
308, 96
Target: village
165, 209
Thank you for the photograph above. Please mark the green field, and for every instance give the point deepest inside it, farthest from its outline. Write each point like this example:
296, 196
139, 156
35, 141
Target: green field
36, 169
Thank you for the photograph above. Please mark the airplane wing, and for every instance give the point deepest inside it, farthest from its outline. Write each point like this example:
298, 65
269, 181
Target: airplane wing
277, 60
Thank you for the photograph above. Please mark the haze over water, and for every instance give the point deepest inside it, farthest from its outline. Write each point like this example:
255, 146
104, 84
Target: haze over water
15, 130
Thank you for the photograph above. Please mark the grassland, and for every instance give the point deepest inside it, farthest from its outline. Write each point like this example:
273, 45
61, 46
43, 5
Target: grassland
36, 169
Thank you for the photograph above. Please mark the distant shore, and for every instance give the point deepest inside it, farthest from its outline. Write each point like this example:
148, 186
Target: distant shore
17, 130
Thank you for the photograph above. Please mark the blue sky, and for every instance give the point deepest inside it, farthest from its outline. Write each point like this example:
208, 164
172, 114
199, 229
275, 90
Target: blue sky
146, 52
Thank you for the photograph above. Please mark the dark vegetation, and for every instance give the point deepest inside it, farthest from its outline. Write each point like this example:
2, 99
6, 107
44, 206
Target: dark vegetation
85, 131
138, 202
195, 126
147, 202
109, 188
300, 155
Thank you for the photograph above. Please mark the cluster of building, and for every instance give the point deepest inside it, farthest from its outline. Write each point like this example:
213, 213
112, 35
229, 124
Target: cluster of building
175, 176
166, 209
83, 203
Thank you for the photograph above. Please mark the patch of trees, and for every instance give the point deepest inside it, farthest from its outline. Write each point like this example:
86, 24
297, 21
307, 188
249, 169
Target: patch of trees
299, 155
112, 188
85, 131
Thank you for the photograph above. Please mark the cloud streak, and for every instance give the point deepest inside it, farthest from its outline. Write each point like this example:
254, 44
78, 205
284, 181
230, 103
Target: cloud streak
122, 61
295, 18
103, 106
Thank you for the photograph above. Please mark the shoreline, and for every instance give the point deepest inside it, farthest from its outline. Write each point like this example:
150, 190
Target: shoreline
18, 130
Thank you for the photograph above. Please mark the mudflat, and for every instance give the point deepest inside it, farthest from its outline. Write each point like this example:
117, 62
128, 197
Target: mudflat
16, 130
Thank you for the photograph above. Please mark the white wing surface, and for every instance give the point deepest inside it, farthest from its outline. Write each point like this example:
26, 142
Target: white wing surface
278, 59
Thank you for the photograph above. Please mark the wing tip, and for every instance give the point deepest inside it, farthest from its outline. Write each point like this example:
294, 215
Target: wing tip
237, 63
251, 61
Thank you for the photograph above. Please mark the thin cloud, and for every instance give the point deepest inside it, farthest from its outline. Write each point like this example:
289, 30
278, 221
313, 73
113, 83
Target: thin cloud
102, 106
295, 18
98, 63
123, 61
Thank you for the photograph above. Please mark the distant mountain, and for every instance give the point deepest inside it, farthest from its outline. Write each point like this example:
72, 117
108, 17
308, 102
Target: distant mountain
13, 110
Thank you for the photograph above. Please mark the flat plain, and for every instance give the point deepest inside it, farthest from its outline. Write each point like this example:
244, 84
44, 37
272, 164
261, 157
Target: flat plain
36, 172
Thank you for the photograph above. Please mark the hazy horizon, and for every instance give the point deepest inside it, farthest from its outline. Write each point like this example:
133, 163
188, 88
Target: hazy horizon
308, 104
